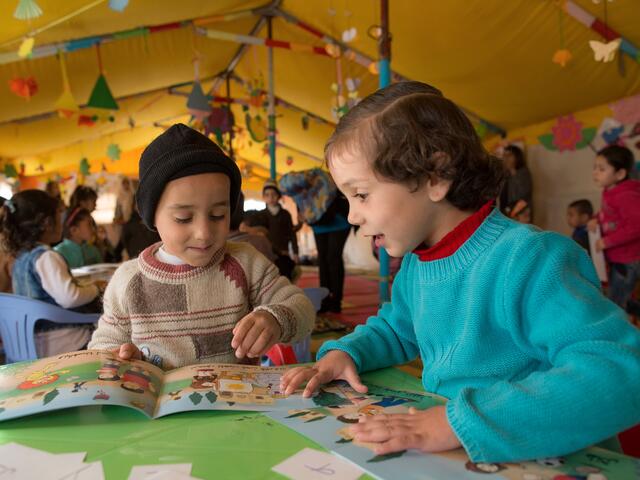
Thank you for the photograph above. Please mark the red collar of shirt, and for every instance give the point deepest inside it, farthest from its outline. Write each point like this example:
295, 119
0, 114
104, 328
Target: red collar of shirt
456, 237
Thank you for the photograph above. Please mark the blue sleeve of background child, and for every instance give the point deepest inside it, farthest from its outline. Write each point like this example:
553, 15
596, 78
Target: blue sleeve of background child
587, 385
386, 339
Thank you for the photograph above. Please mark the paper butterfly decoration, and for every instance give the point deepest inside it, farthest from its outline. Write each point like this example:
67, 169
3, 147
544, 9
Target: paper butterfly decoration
113, 151
118, 5
349, 35
605, 52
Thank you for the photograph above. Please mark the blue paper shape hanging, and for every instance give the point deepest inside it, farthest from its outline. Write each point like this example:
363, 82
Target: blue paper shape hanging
118, 5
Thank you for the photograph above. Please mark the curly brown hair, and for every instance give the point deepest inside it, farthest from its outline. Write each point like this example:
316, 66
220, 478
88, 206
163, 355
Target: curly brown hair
24, 218
410, 132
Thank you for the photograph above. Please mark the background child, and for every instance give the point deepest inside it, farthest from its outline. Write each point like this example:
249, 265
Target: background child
195, 298
6, 264
578, 215
29, 223
259, 242
83, 197
280, 227
619, 220
78, 230
508, 320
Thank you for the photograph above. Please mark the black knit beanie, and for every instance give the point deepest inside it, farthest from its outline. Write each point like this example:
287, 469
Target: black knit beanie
180, 152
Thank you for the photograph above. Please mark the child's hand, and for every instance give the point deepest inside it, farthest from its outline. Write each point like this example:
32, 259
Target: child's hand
600, 245
127, 351
426, 430
255, 334
334, 365
101, 284
592, 225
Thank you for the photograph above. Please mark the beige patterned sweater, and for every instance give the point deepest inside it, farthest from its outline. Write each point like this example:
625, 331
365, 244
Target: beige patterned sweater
181, 315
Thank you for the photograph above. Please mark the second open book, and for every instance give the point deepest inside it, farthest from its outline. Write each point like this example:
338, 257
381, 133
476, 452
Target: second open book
98, 378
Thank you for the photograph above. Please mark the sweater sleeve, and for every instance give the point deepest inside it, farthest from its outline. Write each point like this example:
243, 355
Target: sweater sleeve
270, 291
628, 229
387, 338
114, 327
58, 282
585, 386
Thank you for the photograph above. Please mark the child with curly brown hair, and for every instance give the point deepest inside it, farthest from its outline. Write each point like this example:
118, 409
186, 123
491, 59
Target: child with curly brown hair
508, 320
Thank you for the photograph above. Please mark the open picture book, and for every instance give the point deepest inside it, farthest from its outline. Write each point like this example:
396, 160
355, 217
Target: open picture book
93, 377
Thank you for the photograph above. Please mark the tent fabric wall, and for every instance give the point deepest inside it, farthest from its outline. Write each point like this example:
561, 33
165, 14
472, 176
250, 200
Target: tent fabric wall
493, 58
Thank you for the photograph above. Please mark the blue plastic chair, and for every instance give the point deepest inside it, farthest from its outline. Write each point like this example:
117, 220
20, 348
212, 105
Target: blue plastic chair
18, 316
299, 352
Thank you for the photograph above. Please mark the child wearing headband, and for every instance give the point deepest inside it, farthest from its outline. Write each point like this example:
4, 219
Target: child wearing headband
29, 223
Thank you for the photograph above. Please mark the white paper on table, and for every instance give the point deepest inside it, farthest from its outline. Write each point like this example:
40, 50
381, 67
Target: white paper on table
167, 475
89, 471
310, 464
19, 462
146, 472
597, 257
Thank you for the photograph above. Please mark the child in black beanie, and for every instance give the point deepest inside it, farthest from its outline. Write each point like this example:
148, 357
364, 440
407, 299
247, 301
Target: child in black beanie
193, 297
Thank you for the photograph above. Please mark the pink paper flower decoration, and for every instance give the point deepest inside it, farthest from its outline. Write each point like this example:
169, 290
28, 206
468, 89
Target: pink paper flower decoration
567, 132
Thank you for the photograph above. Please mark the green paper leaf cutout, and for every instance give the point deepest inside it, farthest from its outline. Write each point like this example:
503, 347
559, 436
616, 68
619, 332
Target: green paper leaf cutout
50, 396
195, 398
587, 135
85, 167
101, 96
113, 151
10, 171
547, 141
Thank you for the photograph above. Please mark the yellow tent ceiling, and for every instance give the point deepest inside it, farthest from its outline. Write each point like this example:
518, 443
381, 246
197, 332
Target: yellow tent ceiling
492, 57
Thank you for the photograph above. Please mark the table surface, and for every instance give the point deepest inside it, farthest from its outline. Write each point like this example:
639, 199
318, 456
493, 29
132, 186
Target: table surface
218, 444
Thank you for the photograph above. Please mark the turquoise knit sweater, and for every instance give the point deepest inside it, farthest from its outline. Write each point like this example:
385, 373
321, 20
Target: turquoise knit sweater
513, 329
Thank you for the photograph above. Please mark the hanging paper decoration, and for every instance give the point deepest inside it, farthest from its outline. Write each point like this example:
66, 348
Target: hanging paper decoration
349, 35
118, 5
612, 135
23, 169
352, 88
332, 50
86, 121
561, 56
257, 95
66, 105
605, 52
567, 135
113, 151
85, 167
289, 160
305, 122
10, 171
219, 122
40, 168
24, 87
198, 103
26, 47
101, 96
27, 9
257, 127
